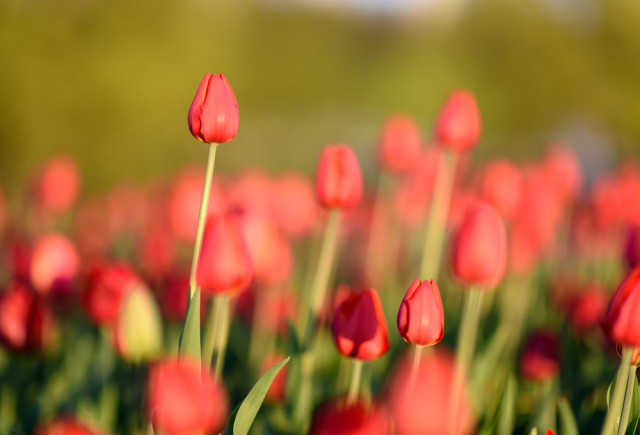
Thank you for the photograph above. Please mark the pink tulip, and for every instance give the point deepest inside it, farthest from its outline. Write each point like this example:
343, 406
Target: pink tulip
421, 317
458, 124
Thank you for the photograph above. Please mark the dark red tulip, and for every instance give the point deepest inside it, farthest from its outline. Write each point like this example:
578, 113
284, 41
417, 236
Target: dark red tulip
106, 288
458, 124
213, 115
66, 426
421, 317
540, 359
588, 308
338, 177
623, 316
337, 418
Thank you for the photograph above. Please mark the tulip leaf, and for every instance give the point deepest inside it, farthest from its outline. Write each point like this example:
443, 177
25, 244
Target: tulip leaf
190, 337
634, 414
248, 409
568, 424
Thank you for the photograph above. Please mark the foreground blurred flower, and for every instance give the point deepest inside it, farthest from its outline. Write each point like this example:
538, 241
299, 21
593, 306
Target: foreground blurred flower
623, 316
213, 115
54, 265
224, 265
57, 184
182, 399
540, 359
106, 288
337, 418
421, 317
479, 253
338, 177
400, 144
65, 426
359, 327
458, 124
422, 407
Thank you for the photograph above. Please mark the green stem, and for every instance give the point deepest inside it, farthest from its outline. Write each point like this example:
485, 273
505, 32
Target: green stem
210, 333
436, 224
321, 277
354, 387
617, 395
202, 216
223, 332
628, 395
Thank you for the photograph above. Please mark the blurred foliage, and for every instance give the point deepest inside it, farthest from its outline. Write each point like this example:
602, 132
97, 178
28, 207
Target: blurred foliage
111, 82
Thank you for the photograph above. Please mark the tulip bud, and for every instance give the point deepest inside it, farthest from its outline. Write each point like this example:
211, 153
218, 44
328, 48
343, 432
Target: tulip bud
338, 178
105, 291
479, 253
54, 265
138, 330
623, 316
335, 418
224, 265
540, 359
359, 328
458, 124
400, 144
213, 115
421, 317
56, 186
184, 399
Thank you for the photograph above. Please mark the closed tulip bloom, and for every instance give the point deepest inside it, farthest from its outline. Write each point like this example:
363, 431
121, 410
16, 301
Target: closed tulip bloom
336, 418
213, 115
359, 327
458, 124
339, 178
623, 316
57, 184
540, 359
400, 144
421, 317
224, 265
54, 265
183, 399
479, 254
106, 288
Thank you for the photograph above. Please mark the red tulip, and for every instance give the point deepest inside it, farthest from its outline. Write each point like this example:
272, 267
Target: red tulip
338, 178
458, 124
213, 115
57, 184
224, 265
277, 390
479, 254
421, 317
359, 327
588, 309
623, 316
502, 186
294, 206
632, 247
106, 287
540, 359
336, 418
183, 399
423, 407
65, 426
563, 168
15, 309
400, 144
54, 265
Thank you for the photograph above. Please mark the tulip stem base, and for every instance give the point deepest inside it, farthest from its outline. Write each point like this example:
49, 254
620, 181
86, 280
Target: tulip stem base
626, 404
354, 386
617, 395
415, 365
222, 318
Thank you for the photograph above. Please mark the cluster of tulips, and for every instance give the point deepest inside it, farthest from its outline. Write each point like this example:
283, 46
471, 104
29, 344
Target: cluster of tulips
208, 303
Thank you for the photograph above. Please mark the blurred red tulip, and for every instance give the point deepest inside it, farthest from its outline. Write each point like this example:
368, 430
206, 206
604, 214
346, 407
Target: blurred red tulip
293, 205
479, 251
400, 144
421, 317
588, 309
623, 316
174, 296
182, 399
540, 358
278, 306
15, 309
502, 185
458, 123
277, 390
338, 177
523, 249
359, 327
224, 265
65, 426
105, 290
54, 265
213, 115
337, 418
422, 407
632, 247
564, 170
56, 185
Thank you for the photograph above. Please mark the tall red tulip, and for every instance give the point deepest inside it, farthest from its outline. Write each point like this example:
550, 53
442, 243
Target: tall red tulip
359, 327
458, 124
479, 254
213, 115
623, 316
339, 178
400, 144
421, 317
182, 399
224, 265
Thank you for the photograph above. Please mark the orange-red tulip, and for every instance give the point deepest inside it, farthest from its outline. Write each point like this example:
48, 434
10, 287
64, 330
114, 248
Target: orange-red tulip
400, 144
57, 184
421, 317
339, 178
623, 315
213, 115
458, 124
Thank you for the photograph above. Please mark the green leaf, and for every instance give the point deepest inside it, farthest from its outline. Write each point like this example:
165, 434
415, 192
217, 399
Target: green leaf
190, 337
568, 424
251, 404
